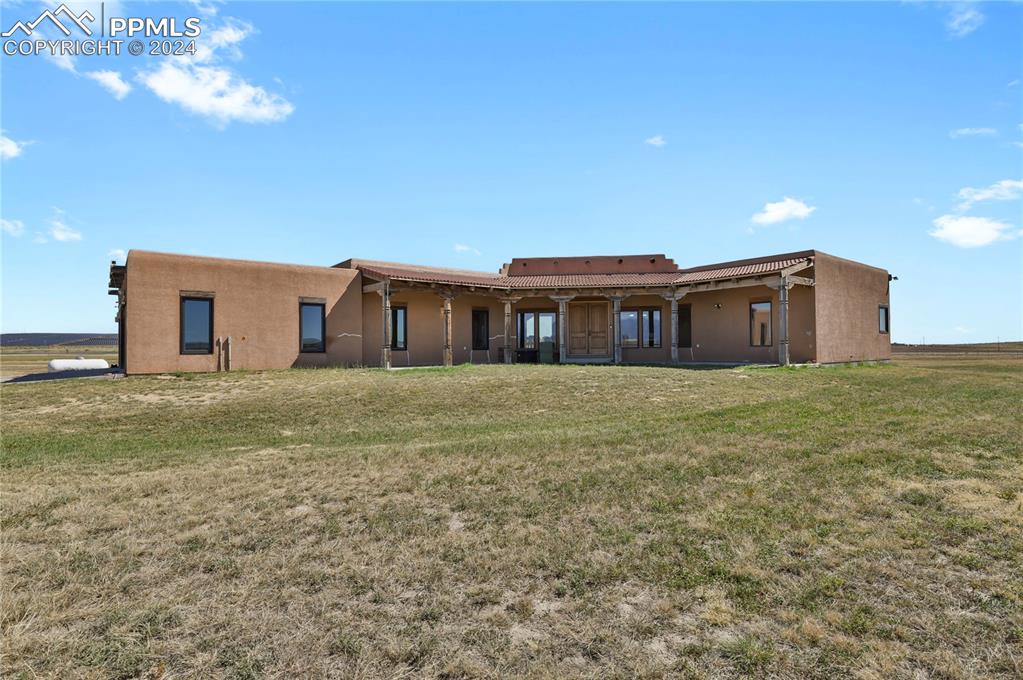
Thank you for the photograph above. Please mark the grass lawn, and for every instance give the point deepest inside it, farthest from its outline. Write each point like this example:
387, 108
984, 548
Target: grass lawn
523, 520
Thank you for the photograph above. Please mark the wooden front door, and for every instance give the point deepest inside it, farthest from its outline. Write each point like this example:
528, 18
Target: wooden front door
588, 328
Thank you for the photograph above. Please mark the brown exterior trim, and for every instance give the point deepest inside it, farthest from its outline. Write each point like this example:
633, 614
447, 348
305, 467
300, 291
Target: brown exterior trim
770, 316
394, 326
181, 323
323, 326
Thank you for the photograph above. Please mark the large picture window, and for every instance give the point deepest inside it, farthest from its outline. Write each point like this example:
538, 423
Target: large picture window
685, 326
399, 328
312, 326
537, 327
883, 319
641, 327
480, 329
196, 325
760, 324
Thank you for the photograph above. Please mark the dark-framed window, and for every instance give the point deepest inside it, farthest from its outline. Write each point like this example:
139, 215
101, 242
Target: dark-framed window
196, 325
760, 324
312, 326
641, 327
481, 329
536, 327
883, 319
399, 328
650, 327
685, 325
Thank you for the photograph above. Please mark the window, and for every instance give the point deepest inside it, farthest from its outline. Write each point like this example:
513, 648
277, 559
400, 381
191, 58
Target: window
527, 330
882, 321
312, 326
480, 329
399, 328
650, 328
537, 327
641, 327
760, 324
630, 328
546, 323
685, 326
196, 325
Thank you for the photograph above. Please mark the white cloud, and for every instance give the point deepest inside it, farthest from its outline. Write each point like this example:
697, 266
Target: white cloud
223, 41
783, 210
962, 330
462, 248
112, 81
215, 92
117, 254
205, 86
964, 18
10, 148
12, 227
656, 140
966, 231
201, 84
1005, 190
60, 230
972, 132
39, 238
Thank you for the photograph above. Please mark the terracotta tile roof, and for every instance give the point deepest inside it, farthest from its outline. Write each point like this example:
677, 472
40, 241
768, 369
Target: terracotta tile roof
754, 269
432, 275
460, 277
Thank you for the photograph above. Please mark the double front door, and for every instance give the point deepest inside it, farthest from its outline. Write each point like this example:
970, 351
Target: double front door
589, 328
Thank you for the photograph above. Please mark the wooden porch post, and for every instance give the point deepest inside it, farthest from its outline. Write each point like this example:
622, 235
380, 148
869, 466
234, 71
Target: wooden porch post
616, 301
674, 326
507, 328
448, 358
562, 301
783, 319
674, 297
385, 348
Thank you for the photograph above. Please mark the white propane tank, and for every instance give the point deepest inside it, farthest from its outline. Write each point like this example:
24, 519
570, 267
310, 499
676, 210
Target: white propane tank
79, 364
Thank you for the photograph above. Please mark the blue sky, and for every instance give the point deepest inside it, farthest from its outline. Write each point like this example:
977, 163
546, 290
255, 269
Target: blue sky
464, 135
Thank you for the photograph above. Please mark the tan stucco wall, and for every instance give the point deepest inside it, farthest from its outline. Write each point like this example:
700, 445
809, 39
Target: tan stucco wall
426, 328
722, 334
847, 298
256, 303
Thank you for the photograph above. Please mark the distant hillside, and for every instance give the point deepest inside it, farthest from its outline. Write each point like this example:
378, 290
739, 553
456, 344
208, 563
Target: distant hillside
52, 339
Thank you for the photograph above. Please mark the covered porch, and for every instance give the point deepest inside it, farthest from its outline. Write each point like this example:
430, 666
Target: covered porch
713, 319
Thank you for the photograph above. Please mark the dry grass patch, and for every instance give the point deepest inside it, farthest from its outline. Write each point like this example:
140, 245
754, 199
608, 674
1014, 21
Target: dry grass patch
537, 521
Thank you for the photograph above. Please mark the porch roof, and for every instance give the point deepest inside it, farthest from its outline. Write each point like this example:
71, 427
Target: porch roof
756, 267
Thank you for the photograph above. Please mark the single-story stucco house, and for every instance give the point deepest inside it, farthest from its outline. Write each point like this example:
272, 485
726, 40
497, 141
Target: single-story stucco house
186, 313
